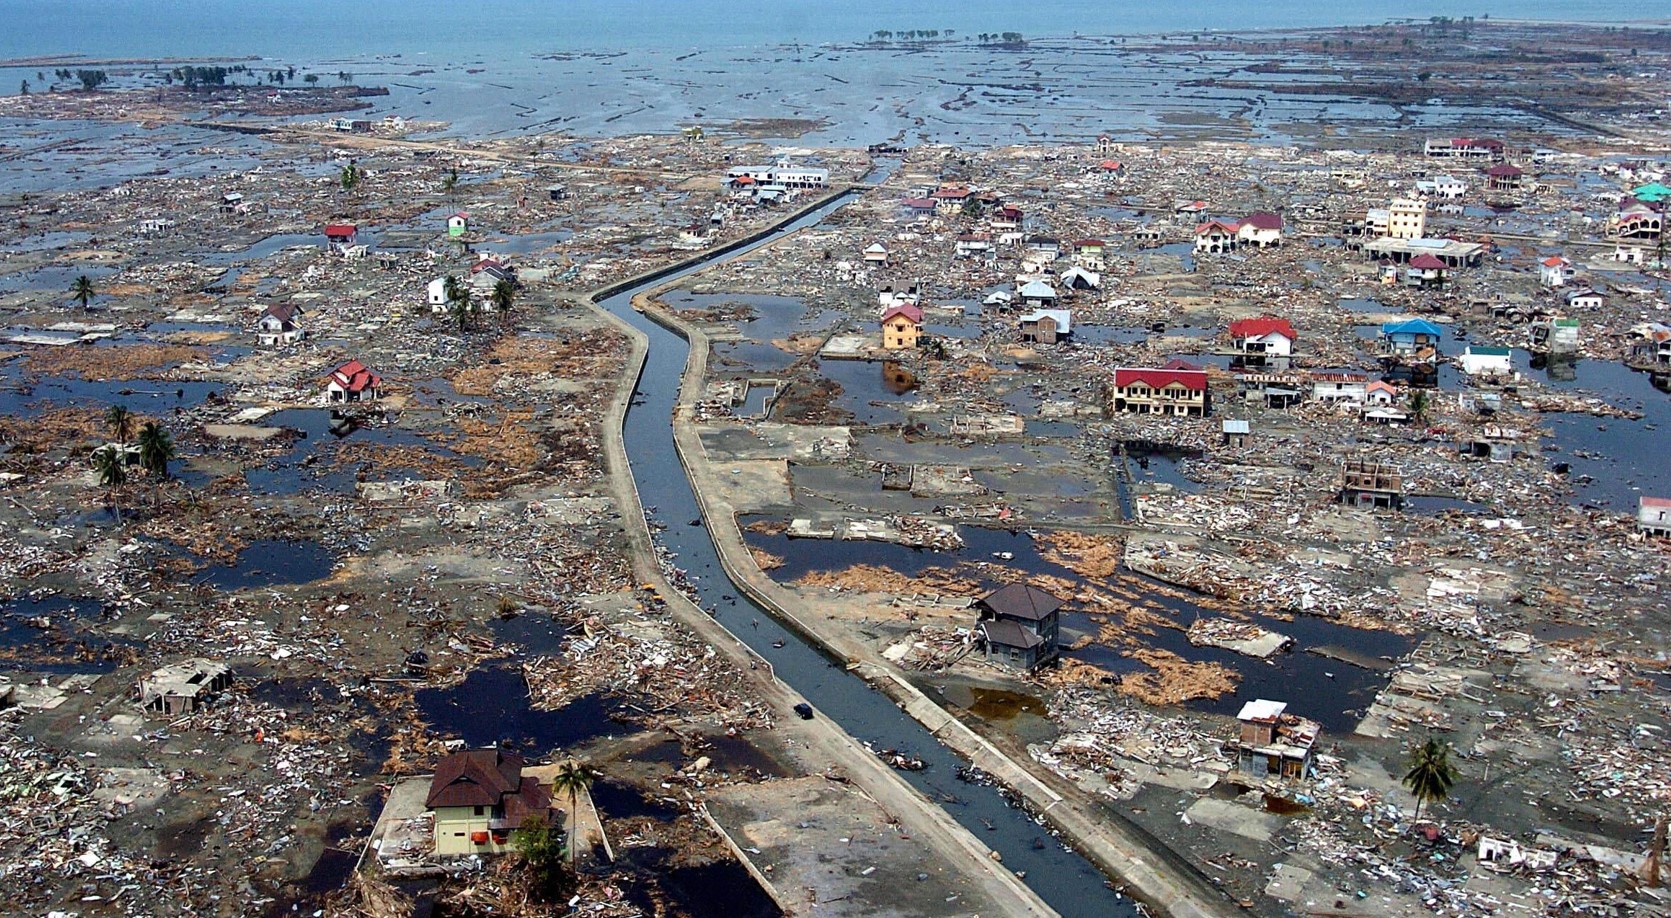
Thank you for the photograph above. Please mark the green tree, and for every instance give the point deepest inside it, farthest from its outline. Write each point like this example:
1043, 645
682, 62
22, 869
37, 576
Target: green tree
83, 290
972, 208
449, 182
92, 79
350, 177
503, 298
156, 450
1431, 773
573, 777
112, 465
1419, 407
460, 303
311, 79
541, 848
120, 420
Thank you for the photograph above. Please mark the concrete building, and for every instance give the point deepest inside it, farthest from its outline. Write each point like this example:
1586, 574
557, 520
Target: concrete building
902, 327
1554, 336
278, 325
1178, 389
1265, 336
1366, 484
183, 688
1045, 326
353, 382
1272, 743
1466, 148
1407, 219
1486, 361
1653, 515
1555, 271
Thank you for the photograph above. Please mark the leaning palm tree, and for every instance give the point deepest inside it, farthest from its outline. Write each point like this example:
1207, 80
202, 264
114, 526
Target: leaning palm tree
156, 450
112, 465
573, 777
120, 420
83, 290
503, 297
1431, 773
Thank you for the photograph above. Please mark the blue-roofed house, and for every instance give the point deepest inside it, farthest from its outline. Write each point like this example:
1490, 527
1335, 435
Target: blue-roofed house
1410, 336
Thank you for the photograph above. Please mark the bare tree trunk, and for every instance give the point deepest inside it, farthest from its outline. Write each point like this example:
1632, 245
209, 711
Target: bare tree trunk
1650, 868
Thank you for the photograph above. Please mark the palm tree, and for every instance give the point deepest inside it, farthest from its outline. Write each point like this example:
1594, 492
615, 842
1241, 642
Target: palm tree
574, 777
83, 290
156, 450
459, 300
350, 177
503, 297
449, 182
120, 420
112, 465
1431, 773
1419, 407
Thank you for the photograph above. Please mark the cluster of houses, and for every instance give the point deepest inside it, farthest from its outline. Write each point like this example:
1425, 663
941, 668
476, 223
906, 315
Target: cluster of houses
774, 184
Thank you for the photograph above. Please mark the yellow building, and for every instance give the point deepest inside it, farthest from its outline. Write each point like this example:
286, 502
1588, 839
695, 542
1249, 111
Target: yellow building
479, 798
901, 327
1407, 219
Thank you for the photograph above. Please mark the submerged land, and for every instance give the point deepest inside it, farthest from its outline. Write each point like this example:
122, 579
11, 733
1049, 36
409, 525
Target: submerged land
406, 516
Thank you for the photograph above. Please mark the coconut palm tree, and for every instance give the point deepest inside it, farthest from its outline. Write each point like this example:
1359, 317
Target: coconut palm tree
156, 450
460, 302
503, 297
1419, 407
1431, 773
112, 465
449, 182
83, 290
573, 777
120, 420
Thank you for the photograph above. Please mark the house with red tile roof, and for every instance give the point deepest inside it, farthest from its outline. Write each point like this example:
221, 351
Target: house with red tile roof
1265, 335
1260, 228
1179, 388
353, 382
902, 326
1216, 236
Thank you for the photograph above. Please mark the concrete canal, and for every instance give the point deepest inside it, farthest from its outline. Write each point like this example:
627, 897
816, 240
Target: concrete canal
1065, 880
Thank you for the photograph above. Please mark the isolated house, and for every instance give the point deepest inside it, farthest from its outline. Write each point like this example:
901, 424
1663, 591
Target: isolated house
1235, 433
1555, 271
1178, 389
919, 206
1271, 743
1019, 625
902, 327
1504, 177
1266, 336
233, 203
1554, 336
876, 254
1653, 515
1045, 326
458, 224
436, 295
479, 798
341, 235
1339, 387
353, 382
278, 325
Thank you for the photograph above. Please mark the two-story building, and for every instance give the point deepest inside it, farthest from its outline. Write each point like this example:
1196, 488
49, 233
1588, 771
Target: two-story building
480, 797
902, 327
1273, 743
1179, 389
1265, 336
1019, 625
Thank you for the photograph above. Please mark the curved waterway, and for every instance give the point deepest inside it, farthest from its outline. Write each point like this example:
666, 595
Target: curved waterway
1065, 880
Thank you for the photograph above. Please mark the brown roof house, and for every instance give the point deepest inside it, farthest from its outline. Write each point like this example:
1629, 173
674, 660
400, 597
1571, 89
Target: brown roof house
479, 798
1019, 625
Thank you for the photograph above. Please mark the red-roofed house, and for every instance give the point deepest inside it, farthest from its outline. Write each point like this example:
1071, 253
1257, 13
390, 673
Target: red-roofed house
340, 235
1111, 167
919, 205
353, 382
1262, 228
479, 798
1178, 389
1265, 335
1555, 271
1216, 236
1426, 270
902, 325
951, 198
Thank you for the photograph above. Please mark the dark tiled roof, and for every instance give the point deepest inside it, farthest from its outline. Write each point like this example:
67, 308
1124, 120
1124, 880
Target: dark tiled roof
480, 777
1010, 634
1021, 601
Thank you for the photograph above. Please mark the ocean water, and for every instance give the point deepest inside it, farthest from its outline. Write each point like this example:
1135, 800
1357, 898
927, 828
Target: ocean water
446, 30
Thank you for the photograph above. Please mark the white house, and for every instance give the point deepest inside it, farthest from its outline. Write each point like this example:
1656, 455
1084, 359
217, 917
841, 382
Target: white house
1486, 361
1586, 298
876, 254
1266, 335
1261, 229
1444, 187
278, 326
1338, 387
1037, 294
1555, 271
436, 294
